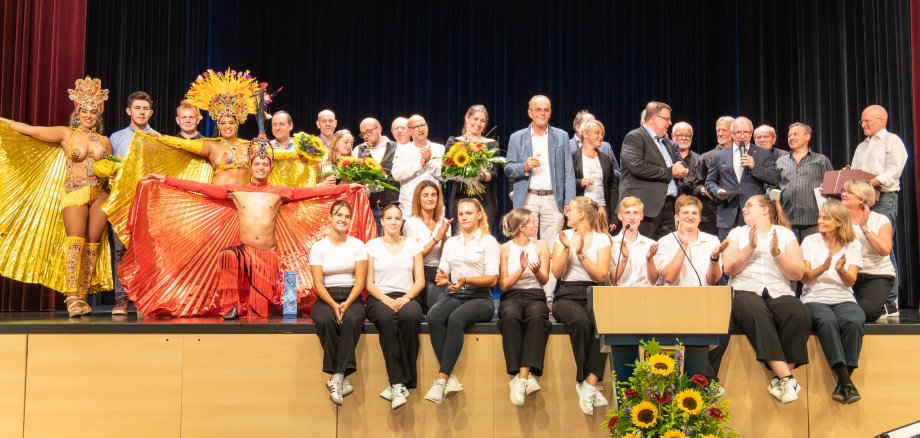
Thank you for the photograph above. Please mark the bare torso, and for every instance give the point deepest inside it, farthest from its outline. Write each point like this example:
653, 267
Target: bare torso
93, 148
230, 160
258, 212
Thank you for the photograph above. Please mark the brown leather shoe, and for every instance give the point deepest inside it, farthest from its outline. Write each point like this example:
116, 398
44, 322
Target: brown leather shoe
121, 307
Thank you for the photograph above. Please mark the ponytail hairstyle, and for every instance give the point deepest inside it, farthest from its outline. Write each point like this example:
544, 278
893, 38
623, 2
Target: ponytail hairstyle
514, 220
595, 214
338, 205
483, 220
469, 113
390, 206
775, 209
836, 211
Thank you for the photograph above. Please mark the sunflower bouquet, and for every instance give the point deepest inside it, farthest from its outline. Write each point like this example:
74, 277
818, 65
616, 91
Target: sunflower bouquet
660, 401
365, 171
310, 147
465, 160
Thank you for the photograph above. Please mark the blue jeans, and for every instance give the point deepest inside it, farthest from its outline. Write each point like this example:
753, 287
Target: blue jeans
888, 206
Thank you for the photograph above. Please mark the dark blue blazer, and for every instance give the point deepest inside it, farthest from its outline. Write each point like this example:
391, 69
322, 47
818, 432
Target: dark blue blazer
753, 182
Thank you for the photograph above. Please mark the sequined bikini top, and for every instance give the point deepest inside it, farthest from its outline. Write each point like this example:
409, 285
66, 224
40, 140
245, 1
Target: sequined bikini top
234, 156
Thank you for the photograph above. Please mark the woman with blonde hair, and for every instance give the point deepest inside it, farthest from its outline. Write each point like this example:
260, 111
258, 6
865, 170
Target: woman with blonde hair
581, 259
342, 143
874, 233
523, 317
474, 130
833, 257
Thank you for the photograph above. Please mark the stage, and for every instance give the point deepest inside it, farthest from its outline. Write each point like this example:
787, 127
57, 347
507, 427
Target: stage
102, 376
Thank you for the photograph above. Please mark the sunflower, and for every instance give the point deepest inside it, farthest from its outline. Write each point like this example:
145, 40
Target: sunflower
630, 435
454, 149
661, 364
461, 159
709, 436
690, 401
674, 434
372, 164
644, 414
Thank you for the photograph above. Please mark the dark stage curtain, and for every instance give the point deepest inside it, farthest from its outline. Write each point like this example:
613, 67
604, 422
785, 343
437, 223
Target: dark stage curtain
41, 54
776, 62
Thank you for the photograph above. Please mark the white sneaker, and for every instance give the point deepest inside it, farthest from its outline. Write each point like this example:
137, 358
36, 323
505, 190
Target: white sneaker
585, 397
436, 393
400, 396
775, 388
387, 393
335, 389
599, 399
791, 390
518, 390
532, 385
453, 386
347, 389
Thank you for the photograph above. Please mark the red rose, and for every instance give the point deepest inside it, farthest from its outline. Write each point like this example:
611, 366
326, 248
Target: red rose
630, 393
263, 84
700, 380
449, 161
613, 422
346, 163
662, 399
714, 412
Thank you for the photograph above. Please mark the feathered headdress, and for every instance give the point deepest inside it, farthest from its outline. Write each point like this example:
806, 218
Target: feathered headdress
224, 94
88, 94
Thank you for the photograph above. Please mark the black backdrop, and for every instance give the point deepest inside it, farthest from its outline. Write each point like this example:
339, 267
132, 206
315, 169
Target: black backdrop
775, 61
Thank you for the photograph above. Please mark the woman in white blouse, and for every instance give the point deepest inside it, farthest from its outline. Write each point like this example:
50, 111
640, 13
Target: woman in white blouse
832, 259
338, 263
429, 228
874, 233
703, 250
523, 317
762, 258
469, 267
394, 278
581, 259
629, 267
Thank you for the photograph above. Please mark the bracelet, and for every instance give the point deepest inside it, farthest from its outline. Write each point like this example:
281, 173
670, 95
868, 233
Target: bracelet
580, 257
714, 259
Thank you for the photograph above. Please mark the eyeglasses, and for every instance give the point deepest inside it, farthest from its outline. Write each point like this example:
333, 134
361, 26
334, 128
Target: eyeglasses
668, 119
683, 135
541, 110
417, 127
367, 132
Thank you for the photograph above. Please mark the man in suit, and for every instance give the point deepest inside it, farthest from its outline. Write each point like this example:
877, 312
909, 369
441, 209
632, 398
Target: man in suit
649, 167
382, 150
581, 118
540, 172
737, 173
682, 133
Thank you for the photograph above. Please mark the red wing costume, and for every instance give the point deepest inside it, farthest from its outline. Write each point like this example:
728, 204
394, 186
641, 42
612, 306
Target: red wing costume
181, 239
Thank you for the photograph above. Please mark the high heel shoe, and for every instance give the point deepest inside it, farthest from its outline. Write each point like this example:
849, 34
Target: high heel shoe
74, 307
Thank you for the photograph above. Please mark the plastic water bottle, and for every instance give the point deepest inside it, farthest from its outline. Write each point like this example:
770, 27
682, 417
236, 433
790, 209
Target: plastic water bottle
290, 294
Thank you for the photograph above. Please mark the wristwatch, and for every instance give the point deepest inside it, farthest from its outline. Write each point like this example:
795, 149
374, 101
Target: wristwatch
580, 257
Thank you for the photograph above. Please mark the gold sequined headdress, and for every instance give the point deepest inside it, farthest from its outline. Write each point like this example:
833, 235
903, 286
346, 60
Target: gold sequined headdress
88, 94
227, 93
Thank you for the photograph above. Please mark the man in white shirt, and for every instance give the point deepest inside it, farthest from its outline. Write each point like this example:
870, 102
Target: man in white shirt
326, 123
282, 125
416, 161
882, 154
400, 130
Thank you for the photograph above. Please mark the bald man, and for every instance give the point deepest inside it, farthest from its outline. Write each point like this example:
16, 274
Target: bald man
882, 154
326, 123
383, 150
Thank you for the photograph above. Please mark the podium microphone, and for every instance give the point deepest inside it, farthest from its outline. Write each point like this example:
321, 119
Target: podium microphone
687, 256
620, 254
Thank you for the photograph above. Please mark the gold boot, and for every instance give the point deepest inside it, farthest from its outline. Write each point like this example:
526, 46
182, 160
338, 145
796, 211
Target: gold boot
73, 255
88, 268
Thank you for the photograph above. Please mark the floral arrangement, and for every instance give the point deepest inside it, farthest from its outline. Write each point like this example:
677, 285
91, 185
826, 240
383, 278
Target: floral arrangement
365, 171
107, 167
310, 147
660, 401
463, 162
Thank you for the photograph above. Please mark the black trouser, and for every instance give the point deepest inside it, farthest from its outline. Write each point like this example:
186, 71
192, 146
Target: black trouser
777, 328
523, 320
432, 293
840, 328
871, 293
398, 333
450, 317
339, 341
656, 227
571, 307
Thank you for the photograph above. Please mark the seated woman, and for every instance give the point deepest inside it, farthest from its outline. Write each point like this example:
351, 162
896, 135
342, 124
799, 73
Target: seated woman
339, 267
629, 267
762, 258
595, 173
873, 230
581, 259
832, 259
429, 228
469, 267
395, 277
342, 144
523, 317
687, 257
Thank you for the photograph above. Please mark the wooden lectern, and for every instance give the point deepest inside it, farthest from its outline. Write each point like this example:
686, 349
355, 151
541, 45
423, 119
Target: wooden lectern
624, 315
835, 179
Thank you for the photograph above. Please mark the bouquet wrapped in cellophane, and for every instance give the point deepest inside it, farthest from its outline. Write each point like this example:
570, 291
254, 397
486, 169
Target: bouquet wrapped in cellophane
365, 171
310, 147
464, 161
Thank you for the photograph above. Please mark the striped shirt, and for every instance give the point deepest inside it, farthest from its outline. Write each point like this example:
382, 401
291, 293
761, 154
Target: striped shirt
798, 182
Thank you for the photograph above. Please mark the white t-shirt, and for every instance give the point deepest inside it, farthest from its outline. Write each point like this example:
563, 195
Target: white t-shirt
873, 262
576, 271
415, 228
591, 168
473, 258
762, 271
635, 272
540, 176
828, 288
393, 272
699, 252
527, 280
338, 262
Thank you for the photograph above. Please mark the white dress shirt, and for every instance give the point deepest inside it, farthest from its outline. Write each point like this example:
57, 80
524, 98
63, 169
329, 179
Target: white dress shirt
635, 272
539, 176
699, 252
761, 271
883, 155
476, 257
